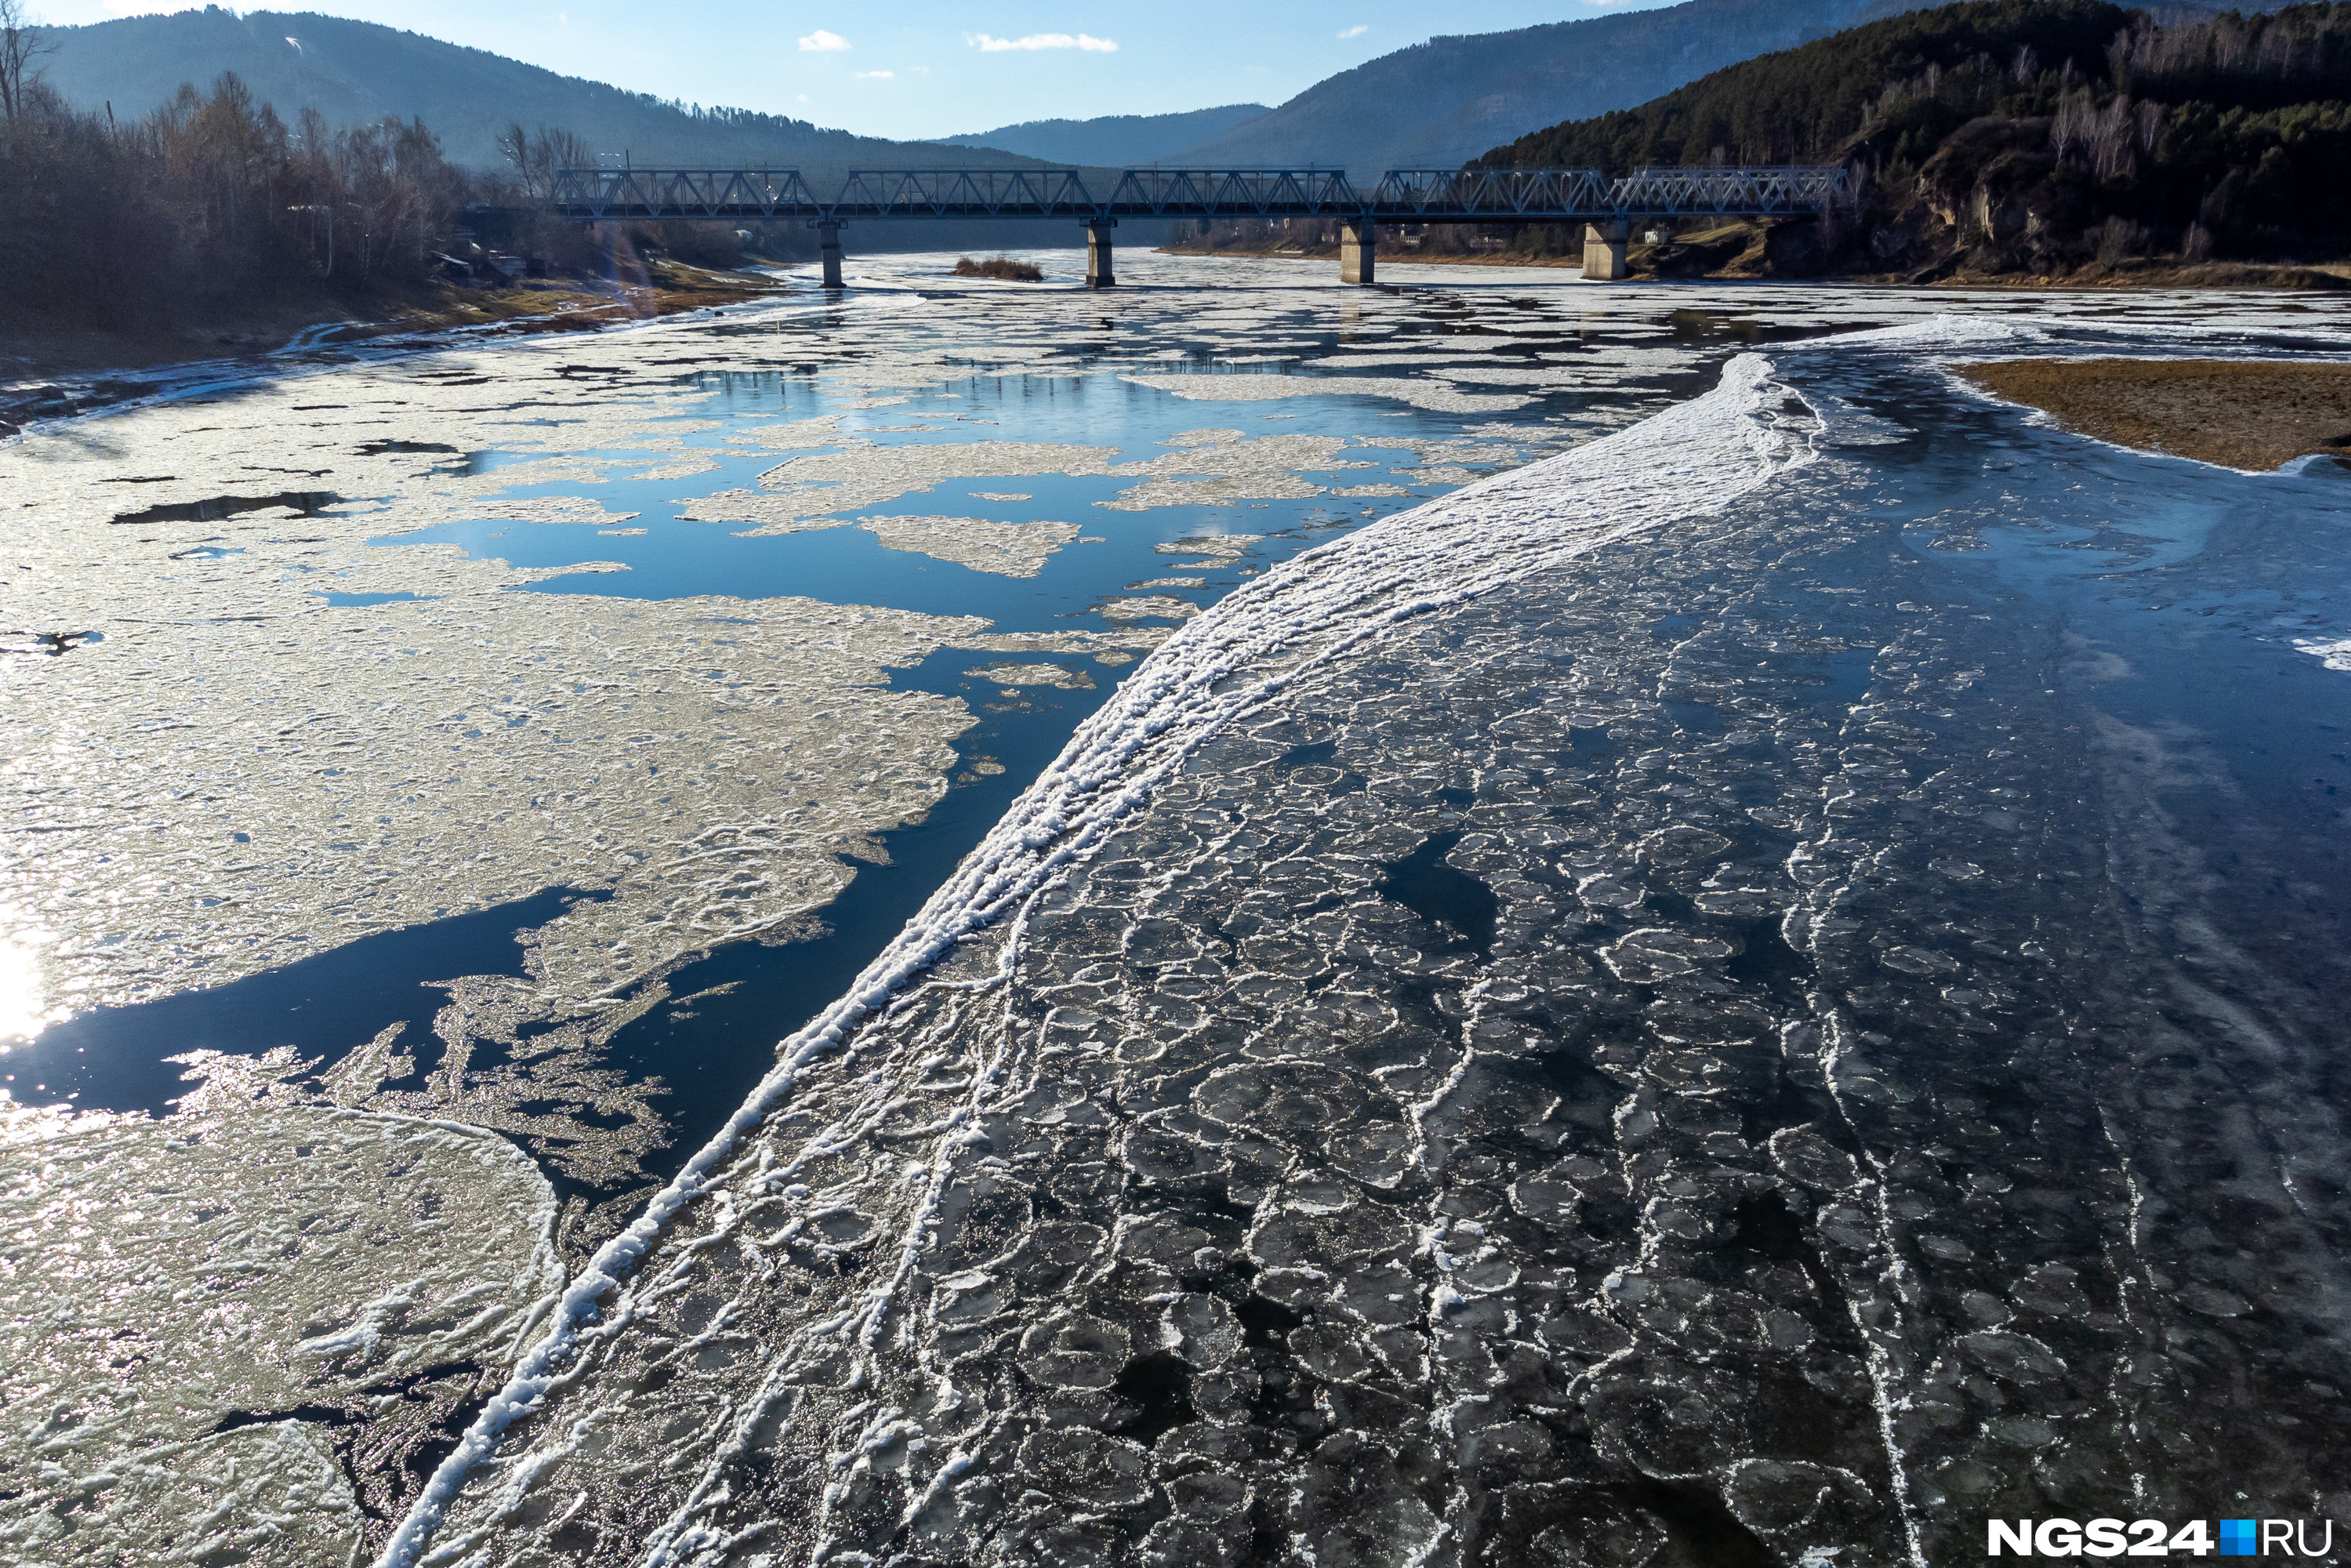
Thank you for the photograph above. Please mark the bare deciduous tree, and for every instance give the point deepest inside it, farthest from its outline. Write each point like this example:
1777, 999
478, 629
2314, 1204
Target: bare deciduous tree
513, 146
537, 159
21, 44
562, 150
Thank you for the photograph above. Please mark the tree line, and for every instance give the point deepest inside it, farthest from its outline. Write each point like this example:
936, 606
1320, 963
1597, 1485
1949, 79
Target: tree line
210, 199
213, 204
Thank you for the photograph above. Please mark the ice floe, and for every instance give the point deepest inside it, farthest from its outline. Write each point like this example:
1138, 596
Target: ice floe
2335, 654
1008, 549
207, 1286
1034, 675
1437, 397
869, 476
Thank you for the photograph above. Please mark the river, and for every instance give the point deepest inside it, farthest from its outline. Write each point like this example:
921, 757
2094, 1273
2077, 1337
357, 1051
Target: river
443, 778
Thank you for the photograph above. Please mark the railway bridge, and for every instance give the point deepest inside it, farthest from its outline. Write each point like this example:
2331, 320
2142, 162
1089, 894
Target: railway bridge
1607, 208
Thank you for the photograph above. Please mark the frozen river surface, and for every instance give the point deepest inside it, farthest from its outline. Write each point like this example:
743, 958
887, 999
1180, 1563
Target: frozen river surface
1765, 982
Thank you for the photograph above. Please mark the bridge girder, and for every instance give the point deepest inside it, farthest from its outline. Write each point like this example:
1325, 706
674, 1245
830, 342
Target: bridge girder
1402, 196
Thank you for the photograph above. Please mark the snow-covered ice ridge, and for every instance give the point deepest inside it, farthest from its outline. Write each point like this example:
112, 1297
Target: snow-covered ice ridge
1605, 1013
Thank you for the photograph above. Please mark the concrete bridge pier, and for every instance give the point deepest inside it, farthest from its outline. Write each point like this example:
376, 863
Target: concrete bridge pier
1603, 251
828, 250
1099, 271
1356, 261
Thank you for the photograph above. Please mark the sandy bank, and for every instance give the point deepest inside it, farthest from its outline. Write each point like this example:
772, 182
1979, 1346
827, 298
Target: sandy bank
2242, 414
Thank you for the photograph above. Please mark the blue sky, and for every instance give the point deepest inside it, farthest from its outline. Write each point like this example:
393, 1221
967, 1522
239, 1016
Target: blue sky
928, 67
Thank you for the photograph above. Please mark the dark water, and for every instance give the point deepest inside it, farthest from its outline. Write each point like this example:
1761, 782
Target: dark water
1423, 882
114, 1057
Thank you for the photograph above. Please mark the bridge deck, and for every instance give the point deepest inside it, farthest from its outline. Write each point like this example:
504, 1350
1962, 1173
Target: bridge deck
1402, 196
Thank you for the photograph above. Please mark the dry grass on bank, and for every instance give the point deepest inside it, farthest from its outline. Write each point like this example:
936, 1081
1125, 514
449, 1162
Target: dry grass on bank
2242, 414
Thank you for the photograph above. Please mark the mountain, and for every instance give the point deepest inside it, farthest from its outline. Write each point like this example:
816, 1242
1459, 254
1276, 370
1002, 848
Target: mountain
1438, 104
1115, 140
2048, 137
1802, 105
356, 72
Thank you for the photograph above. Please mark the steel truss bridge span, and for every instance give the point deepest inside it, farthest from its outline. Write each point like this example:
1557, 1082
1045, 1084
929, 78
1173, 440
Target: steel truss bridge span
1609, 208
1402, 196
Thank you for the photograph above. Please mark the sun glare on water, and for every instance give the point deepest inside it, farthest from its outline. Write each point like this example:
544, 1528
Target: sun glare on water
22, 1014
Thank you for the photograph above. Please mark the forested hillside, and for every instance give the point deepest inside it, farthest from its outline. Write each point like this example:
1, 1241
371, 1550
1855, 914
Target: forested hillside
2027, 135
356, 73
208, 198
348, 175
212, 213
1444, 100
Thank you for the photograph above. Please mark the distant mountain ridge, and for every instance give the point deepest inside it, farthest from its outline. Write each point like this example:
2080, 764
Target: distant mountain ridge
1113, 140
356, 72
1438, 104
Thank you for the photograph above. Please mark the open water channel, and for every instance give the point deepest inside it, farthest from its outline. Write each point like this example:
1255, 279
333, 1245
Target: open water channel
1763, 984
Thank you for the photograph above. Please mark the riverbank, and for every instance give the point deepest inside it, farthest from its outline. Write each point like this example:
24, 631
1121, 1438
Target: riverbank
2256, 415
1748, 252
55, 371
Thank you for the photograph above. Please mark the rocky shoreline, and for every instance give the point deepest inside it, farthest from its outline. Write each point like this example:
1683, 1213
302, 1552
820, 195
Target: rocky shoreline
1747, 251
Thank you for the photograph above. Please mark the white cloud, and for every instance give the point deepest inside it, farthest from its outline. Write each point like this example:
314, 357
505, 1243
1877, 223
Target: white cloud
1357, 31
873, 76
823, 43
1085, 41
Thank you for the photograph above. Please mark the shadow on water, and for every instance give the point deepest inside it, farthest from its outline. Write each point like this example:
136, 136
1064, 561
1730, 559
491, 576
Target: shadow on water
711, 1049
219, 508
112, 1059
